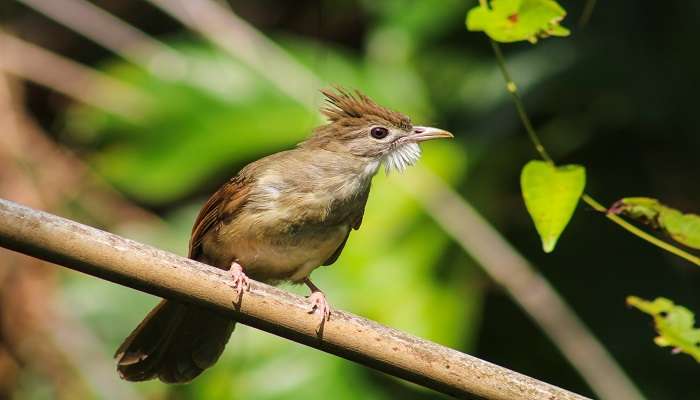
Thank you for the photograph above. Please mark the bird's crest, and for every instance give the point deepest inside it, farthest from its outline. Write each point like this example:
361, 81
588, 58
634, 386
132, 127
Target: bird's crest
343, 105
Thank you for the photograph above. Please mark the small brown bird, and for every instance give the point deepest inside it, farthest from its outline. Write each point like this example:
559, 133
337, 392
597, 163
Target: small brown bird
279, 219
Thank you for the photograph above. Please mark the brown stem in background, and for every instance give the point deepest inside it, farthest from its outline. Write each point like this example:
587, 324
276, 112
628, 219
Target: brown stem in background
586, 14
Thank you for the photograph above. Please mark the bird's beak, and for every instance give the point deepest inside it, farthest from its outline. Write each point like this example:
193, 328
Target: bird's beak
423, 133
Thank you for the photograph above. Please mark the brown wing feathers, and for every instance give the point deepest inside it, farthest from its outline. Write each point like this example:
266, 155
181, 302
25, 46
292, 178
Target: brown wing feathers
221, 206
357, 221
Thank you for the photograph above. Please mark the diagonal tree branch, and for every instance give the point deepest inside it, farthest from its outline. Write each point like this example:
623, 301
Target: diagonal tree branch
151, 270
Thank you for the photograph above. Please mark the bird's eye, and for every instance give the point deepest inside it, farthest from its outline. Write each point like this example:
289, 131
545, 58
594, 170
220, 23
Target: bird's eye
379, 132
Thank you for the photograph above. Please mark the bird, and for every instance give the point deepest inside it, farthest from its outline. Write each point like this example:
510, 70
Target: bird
278, 219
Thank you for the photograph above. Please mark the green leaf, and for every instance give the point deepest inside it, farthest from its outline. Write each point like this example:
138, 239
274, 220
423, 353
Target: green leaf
551, 194
674, 324
517, 20
683, 228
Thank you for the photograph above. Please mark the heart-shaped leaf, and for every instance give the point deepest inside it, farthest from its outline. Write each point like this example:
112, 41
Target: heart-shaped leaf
551, 194
674, 324
516, 20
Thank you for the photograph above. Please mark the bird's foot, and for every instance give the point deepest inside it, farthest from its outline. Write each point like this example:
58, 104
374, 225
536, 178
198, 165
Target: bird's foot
241, 282
320, 304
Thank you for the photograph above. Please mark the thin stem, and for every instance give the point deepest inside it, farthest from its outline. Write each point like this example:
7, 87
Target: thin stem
513, 90
586, 14
640, 233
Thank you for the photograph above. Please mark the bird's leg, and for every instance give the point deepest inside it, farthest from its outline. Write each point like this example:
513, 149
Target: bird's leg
318, 302
241, 282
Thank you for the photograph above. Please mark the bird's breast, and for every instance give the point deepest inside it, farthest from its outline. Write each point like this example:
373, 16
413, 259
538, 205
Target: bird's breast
290, 224
325, 199
273, 250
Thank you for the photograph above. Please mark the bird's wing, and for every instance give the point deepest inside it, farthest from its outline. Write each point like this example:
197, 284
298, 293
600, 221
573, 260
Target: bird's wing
337, 251
221, 207
356, 221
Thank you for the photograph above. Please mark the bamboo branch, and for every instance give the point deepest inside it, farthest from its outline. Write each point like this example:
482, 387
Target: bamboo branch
154, 271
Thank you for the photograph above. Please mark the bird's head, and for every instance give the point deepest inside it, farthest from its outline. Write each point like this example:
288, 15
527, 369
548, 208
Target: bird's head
360, 127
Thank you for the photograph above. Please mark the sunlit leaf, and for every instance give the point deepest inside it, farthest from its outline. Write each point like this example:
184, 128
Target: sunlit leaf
683, 228
517, 20
674, 324
551, 194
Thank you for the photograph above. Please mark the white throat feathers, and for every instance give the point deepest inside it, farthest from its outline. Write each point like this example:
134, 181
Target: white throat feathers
401, 157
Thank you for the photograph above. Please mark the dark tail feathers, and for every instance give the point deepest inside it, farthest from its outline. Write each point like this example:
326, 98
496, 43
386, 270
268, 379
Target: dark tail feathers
174, 343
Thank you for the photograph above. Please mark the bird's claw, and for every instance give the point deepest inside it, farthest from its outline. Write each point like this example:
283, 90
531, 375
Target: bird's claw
241, 282
320, 304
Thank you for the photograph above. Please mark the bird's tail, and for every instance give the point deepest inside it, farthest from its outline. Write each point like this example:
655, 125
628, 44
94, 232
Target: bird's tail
175, 343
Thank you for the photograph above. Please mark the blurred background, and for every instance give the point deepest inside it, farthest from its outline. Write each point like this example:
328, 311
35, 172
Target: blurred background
126, 115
